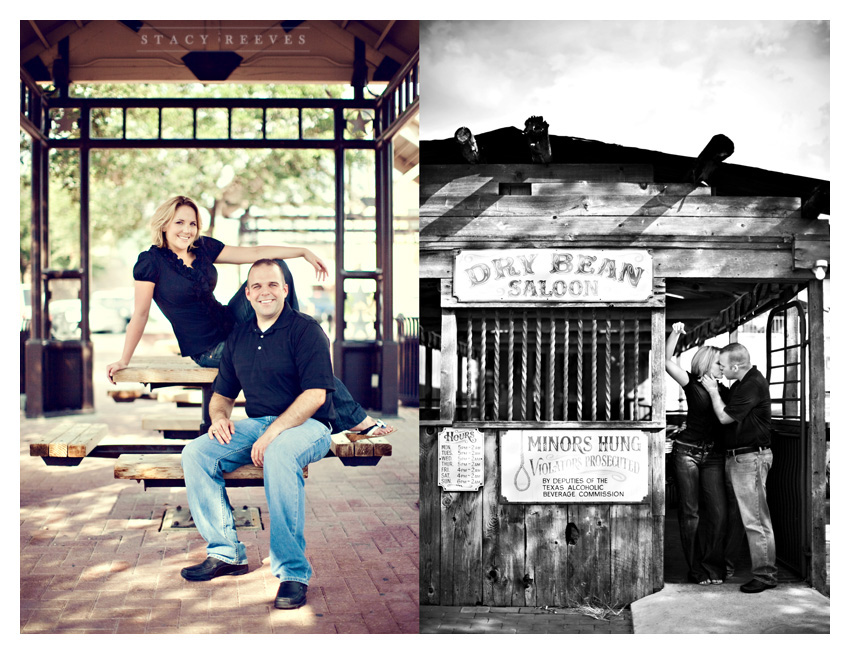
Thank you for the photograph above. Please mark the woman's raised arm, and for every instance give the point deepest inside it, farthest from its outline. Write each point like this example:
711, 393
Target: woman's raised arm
241, 254
135, 328
671, 366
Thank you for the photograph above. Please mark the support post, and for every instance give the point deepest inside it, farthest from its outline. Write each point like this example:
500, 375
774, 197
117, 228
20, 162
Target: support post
87, 349
34, 350
816, 455
384, 243
448, 366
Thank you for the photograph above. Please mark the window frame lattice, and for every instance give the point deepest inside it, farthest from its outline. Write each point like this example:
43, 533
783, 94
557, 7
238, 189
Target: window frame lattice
534, 383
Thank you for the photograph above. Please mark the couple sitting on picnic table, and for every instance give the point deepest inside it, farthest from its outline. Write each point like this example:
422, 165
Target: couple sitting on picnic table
279, 357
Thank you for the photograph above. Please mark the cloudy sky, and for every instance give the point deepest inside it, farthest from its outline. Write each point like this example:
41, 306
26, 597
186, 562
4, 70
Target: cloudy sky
660, 85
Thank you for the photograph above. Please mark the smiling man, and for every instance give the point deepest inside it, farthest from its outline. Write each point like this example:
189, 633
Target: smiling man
281, 360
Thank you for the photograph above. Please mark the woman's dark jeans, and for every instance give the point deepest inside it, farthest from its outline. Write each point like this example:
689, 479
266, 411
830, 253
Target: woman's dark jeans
699, 476
347, 412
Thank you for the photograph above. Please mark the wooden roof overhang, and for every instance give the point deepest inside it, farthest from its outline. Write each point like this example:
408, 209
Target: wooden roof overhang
728, 252
263, 51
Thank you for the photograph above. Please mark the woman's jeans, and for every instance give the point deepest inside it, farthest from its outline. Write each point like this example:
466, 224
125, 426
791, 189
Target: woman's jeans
347, 412
205, 460
748, 475
699, 476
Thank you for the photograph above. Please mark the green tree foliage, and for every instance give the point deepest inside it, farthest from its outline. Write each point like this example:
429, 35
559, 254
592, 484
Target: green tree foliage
126, 185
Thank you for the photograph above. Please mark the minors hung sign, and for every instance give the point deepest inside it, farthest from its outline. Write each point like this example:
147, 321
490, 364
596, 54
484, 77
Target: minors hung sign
573, 466
461, 458
547, 275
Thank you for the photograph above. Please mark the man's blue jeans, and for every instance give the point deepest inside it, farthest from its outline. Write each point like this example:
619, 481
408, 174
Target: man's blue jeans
748, 475
699, 475
204, 462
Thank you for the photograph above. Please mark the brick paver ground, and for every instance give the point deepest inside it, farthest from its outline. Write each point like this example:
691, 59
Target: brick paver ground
515, 620
93, 558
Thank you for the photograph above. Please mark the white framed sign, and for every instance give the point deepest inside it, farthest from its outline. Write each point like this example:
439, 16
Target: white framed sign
548, 275
592, 466
461, 459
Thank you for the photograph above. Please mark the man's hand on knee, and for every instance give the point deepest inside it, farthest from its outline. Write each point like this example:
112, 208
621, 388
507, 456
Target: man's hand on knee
258, 451
222, 430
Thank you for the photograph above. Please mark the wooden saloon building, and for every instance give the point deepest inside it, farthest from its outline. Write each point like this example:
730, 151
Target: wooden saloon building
551, 270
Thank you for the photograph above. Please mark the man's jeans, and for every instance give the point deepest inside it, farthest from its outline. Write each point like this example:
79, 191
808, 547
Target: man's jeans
699, 474
748, 474
205, 460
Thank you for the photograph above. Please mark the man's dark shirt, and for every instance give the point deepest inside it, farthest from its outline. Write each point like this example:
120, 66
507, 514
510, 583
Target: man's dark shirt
274, 367
749, 406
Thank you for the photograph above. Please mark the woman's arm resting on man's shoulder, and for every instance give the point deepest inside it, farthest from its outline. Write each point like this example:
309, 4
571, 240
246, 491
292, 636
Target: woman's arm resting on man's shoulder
240, 254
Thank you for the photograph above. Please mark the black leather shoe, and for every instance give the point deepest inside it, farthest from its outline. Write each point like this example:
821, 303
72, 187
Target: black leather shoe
291, 595
212, 568
756, 586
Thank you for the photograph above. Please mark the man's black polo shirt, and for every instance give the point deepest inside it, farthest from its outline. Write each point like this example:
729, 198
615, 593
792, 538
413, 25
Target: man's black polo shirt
274, 367
749, 406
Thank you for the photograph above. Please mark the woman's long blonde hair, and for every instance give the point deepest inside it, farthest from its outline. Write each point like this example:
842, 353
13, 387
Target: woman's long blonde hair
164, 214
701, 363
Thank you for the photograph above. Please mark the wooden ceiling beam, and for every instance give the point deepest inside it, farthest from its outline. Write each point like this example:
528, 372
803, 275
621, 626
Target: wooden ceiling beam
46, 37
39, 34
370, 37
384, 35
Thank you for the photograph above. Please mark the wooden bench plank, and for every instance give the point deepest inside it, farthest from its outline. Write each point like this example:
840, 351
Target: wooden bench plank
341, 446
382, 447
164, 370
83, 444
171, 423
59, 446
126, 395
41, 448
69, 439
167, 466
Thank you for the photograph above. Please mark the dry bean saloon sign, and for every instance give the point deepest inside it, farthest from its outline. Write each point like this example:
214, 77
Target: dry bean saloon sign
568, 275
570, 466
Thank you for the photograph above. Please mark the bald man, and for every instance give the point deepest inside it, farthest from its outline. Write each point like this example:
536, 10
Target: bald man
748, 456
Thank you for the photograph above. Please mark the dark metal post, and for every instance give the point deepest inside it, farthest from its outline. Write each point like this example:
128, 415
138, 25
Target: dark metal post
34, 348
339, 211
86, 347
384, 241
84, 225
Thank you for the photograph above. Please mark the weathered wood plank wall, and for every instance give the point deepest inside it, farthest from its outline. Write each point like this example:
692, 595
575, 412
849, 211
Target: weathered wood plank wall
535, 554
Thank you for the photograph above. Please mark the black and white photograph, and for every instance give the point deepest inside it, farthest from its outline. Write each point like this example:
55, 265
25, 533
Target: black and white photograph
625, 326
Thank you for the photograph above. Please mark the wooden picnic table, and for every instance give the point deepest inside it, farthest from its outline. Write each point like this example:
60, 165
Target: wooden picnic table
162, 371
159, 464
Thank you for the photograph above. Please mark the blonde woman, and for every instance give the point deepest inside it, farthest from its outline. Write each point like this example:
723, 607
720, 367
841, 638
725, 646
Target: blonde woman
698, 463
177, 273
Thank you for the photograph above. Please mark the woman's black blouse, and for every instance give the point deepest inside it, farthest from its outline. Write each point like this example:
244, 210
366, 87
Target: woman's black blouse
702, 424
184, 294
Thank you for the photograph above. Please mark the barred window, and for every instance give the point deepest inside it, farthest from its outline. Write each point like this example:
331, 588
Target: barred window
543, 364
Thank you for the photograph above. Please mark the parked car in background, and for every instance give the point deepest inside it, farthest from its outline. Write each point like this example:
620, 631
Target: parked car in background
26, 307
109, 312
